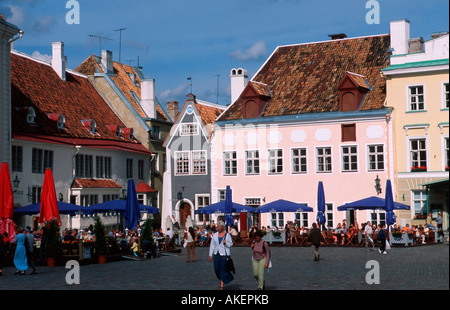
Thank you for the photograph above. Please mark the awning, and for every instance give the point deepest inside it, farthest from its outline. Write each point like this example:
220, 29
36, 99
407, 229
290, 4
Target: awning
438, 182
144, 188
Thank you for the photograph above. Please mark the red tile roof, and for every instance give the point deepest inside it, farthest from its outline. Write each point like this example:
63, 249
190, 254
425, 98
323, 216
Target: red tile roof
123, 81
303, 78
95, 183
35, 84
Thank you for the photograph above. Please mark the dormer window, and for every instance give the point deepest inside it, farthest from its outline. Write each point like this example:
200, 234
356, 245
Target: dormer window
59, 119
352, 89
31, 116
115, 129
90, 125
128, 132
255, 97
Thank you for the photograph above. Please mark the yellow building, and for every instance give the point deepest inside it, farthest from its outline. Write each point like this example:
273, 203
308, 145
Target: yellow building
418, 90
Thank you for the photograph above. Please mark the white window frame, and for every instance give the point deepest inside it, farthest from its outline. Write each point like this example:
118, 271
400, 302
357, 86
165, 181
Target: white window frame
369, 169
231, 160
276, 158
445, 150
302, 215
202, 217
189, 132
409, 96
444, 96
422, 199
350, 155
299, 157
409, 154
184, 160
204, 160
316, 158
253, 160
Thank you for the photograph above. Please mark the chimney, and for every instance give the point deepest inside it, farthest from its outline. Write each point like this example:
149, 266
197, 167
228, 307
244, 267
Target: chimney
416, 45
238, 82
337, 36
435, 35
148, 97
400, 36
59, 61
107, 61
172, 109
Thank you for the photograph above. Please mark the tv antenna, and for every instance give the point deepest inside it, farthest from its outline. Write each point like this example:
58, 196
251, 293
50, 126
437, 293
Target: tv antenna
120, 42
218, 77
100, 38
190, 80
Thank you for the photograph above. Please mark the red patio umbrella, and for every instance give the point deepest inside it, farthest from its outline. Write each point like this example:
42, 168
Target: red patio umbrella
6, 203
49, 204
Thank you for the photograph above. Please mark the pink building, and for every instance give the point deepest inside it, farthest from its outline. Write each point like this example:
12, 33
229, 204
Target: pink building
313, 112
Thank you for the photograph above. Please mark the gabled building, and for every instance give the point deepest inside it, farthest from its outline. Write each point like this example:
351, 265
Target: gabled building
133, 99
418, 91
61, 122
187, 184
313, 112
10, 33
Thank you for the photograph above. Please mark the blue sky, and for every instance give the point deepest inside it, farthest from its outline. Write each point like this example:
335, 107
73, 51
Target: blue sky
175, 39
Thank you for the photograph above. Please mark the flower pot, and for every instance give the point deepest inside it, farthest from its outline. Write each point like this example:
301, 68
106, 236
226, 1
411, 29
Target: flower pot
102, 259
51, 262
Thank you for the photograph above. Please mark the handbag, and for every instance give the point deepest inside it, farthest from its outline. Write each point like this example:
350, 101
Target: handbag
229, 266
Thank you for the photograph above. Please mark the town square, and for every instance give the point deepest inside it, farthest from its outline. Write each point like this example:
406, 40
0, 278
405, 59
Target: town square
231, 146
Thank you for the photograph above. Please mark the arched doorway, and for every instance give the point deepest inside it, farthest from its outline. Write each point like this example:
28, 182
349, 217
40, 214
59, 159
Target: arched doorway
185, 211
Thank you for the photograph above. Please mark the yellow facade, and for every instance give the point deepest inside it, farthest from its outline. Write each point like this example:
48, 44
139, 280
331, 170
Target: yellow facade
417, 90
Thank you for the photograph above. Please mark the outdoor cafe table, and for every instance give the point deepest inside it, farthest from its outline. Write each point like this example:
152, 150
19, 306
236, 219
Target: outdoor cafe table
404, 239
270, 237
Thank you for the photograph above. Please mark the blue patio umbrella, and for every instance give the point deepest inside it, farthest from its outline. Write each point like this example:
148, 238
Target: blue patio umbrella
132, 213
219, 208
282, 206
320, 205
63, 207
371, 203
389, 200
228, 207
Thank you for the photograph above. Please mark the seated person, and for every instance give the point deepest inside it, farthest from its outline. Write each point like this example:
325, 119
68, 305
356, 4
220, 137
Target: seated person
203, 237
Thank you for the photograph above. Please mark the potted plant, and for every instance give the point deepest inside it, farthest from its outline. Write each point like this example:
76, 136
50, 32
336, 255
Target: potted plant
418, 169
147, 235
100, 242
397, 234
52, 242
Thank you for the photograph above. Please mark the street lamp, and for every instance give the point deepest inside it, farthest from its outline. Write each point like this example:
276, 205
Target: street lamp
16, 183
377, 185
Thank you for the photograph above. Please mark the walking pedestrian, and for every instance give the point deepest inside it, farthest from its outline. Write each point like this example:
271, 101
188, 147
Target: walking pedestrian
219, 250
20, 255
368, 231
382, 238
190, 247
315, 236
29, 241
260, 258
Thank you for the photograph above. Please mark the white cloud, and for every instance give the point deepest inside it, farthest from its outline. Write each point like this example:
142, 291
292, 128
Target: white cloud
43, 57
44, 24
255, 52
18, 15
171, 94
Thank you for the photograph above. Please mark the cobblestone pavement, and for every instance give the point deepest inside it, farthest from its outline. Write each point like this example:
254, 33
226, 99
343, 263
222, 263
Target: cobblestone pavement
340, 268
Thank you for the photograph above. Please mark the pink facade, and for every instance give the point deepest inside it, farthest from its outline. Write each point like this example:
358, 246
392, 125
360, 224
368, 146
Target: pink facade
286, 175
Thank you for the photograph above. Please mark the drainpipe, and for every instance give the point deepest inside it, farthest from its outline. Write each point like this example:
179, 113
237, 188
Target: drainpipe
16, 38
